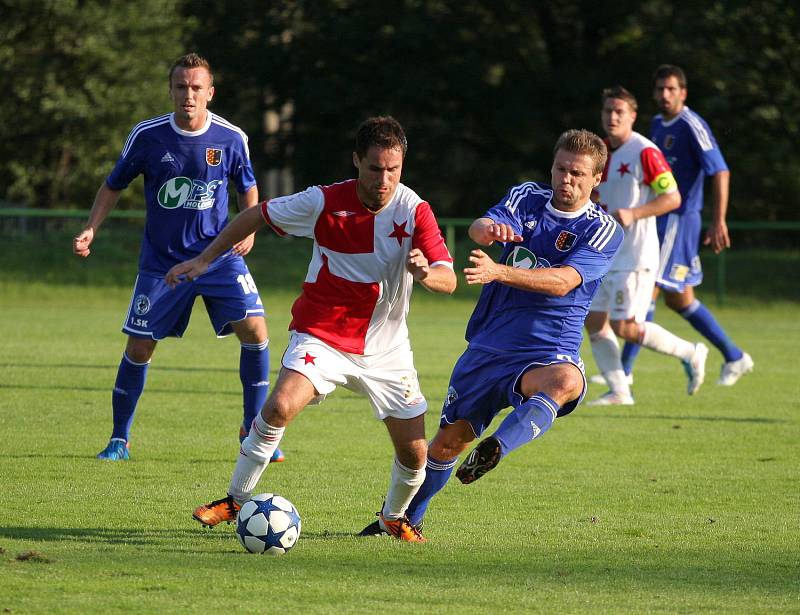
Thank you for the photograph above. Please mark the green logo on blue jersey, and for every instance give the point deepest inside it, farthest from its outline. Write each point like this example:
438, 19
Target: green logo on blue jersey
187, 193
522, 258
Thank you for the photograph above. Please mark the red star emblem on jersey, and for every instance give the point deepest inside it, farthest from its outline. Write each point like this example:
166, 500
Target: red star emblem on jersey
309, 358
623, 168
399, 232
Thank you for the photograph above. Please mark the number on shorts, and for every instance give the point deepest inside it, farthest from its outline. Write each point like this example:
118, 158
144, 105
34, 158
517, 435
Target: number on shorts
247, 283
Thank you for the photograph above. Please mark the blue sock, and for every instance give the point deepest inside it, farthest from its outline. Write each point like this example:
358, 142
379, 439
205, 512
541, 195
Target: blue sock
254, 374
437, 473
703, 320
527, 421
127, 389
630, 350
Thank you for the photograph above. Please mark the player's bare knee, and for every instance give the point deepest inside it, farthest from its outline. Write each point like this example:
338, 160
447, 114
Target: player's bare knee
140, 350
450, 442
413, 455
251, 330
626, 329
565, 384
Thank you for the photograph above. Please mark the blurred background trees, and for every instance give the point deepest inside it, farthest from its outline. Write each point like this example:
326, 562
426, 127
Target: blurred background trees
482, 87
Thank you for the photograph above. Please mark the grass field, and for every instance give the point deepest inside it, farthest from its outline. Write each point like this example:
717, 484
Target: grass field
677, 505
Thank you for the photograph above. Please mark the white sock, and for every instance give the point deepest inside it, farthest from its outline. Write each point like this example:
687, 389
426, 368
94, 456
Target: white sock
404, 486
605, 349
658, 338
254, 455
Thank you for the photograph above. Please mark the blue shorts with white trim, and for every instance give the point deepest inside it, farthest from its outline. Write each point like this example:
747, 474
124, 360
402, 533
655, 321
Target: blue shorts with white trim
484, 382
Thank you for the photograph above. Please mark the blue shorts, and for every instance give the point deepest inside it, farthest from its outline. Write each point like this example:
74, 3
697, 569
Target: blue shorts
483, 383
158, 311
679, 236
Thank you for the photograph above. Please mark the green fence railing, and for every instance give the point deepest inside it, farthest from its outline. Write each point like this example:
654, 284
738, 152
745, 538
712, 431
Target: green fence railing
450, 226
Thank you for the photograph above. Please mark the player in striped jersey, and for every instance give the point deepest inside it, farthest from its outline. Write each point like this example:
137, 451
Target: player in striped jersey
637, 185
373, 237
526, 330
187, 159
692, 151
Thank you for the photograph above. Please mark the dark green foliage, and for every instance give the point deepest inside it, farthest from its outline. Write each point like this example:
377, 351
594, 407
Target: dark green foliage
77, 76
482, 87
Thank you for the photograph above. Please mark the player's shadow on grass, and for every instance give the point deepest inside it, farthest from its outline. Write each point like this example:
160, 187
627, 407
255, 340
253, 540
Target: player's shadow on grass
165, 368
106, 389
664, 417
162, 538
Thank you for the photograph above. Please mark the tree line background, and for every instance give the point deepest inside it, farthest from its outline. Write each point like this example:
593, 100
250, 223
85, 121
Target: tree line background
483, 87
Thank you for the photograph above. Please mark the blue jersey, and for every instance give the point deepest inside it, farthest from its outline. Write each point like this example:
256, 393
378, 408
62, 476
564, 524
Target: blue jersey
691, 151
507, 318
185, 182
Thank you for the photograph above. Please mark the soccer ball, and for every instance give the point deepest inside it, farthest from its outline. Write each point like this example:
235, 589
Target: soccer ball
268, 523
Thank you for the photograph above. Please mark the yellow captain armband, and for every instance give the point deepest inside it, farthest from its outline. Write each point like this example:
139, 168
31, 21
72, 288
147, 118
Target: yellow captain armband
664, 183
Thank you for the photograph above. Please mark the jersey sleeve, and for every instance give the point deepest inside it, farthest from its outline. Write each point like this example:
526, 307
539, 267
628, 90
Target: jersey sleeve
505, 212
656, 171
428, 236
130, 163
295, 214
705, 146
241, 169
592, 259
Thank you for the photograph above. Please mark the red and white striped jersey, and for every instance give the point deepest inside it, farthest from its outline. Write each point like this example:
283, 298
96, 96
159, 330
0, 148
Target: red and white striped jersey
357, 290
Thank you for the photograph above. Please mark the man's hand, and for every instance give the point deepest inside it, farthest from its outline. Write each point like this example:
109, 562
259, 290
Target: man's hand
185, 272
624, 216
717, 237
81, 243
244, 246
484, 271
501, 232
418, 265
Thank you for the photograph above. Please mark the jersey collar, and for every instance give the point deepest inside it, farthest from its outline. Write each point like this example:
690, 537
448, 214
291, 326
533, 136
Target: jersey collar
567, 214
188, 133
674, 119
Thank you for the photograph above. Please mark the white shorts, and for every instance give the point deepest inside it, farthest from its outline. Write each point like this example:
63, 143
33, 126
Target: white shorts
625, 294
388, 379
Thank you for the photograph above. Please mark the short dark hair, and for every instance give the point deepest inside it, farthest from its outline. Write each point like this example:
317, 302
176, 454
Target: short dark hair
584, 142
619, 92
382, 131
670, 70
191, 60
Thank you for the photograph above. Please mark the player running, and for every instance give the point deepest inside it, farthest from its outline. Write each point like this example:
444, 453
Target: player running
373, 237
637, 185
525, 332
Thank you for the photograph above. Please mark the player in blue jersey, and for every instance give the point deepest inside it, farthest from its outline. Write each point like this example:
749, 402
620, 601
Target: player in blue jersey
187, 159
692, 151
526, 330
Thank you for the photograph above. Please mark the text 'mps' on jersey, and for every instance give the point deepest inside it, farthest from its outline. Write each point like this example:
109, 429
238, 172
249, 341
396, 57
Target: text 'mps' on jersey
185, 183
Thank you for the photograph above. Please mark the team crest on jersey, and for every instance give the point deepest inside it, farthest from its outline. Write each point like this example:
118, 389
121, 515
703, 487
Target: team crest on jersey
522, 258
565, 241
141, 305
213, 156
669, 141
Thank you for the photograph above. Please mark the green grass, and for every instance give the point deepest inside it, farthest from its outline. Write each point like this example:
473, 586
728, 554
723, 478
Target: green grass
677, 505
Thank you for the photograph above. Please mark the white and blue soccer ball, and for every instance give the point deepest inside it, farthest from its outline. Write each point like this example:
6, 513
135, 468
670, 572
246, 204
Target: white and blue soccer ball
268, 523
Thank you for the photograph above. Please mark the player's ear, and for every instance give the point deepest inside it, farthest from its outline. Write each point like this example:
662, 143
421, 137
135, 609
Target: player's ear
211, 92
356, 161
